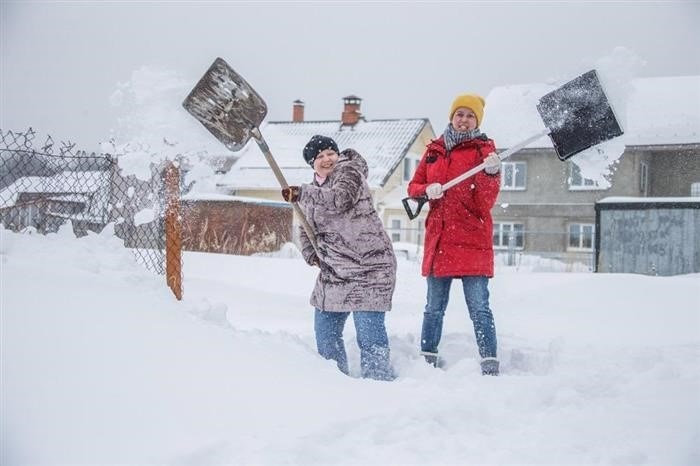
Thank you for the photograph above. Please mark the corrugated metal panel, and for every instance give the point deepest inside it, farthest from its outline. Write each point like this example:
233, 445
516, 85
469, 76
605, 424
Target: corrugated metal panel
651, 239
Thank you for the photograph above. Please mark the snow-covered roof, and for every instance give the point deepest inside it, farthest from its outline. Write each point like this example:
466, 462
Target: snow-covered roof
213, 197
648, 200
652, 111
63, 182
383, 143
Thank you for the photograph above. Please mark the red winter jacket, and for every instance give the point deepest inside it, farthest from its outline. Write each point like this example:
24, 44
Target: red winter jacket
459, 228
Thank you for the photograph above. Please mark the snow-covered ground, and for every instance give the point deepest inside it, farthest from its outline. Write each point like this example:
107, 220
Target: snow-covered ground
101, 365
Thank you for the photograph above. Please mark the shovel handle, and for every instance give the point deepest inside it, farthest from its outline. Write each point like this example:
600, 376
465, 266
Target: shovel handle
421, 200
257, 135
503, 155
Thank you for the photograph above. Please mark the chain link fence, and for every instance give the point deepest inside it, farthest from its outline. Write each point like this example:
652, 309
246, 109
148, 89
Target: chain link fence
524, 250
44, 186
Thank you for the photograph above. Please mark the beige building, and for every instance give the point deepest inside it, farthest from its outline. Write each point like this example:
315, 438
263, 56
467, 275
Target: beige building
392, 148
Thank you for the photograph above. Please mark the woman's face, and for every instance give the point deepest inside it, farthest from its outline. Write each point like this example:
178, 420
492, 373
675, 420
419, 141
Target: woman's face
325, 162
464, 119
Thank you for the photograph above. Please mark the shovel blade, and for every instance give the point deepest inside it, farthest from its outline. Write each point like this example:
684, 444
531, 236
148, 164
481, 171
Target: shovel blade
226, 105
578, 115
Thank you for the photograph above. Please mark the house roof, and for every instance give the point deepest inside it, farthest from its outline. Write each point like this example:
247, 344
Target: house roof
652, 111
66, 182
383, 143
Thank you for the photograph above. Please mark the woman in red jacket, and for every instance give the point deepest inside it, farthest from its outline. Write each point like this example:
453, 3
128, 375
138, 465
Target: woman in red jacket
459, 228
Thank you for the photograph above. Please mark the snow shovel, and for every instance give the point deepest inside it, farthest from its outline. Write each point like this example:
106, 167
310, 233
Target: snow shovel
232, 111
577, 116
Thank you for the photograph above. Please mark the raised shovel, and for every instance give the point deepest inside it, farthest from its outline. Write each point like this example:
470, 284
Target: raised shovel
232, 111
577, 116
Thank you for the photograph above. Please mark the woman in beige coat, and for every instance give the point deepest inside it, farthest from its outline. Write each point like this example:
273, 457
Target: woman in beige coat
356, 259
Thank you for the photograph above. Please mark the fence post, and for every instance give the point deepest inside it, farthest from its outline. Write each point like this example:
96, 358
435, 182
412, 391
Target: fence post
173, 229
511, 246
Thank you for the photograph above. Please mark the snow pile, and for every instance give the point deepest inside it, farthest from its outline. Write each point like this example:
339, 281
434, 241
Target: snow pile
101, 365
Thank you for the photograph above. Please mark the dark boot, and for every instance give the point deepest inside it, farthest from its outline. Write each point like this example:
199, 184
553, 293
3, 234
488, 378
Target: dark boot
489, 366
430, 358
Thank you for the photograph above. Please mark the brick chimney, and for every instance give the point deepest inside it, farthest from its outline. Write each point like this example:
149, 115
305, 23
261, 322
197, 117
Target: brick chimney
298, 111
351, 110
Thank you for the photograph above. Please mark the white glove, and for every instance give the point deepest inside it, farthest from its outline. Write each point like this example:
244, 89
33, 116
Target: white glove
492, 164
434, 191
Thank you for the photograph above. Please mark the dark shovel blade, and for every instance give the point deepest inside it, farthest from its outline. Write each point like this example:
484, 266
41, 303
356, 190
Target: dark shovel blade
226, 105
578, 115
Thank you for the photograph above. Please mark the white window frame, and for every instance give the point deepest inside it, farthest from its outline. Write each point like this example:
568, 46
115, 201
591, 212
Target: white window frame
585, 184
582, 234
695, 189
644, 178
392, 230
407, 172
516, 168
502, 241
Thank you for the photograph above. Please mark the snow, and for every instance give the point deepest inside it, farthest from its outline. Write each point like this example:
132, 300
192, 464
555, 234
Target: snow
144, 216
228, 197
152, 127
101, 365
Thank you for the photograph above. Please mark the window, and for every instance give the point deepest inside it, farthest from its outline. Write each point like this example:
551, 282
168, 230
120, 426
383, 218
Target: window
695, 189
581, 237
396, 230
508, 235
407, 172
578, 182
643, 178
513, 176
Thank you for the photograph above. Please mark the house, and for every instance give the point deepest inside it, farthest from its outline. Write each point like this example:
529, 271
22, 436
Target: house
547, 207
392, 148
46, 202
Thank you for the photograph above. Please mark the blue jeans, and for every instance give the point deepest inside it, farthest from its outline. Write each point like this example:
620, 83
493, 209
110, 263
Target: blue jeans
476, 294
371, 338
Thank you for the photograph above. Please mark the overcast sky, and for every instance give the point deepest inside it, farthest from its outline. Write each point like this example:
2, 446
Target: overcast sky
61, 61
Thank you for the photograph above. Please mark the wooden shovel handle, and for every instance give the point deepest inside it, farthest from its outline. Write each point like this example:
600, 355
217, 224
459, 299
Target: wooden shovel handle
255, 132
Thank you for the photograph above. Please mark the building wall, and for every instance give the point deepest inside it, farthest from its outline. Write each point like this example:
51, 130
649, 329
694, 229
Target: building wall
391, 212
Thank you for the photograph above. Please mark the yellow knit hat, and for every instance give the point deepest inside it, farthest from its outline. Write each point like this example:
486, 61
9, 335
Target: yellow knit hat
472, 101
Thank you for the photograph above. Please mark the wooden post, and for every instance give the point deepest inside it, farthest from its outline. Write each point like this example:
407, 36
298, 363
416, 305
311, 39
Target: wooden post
173, 229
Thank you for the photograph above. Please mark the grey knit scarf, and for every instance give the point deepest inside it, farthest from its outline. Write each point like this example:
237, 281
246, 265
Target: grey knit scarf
453, 137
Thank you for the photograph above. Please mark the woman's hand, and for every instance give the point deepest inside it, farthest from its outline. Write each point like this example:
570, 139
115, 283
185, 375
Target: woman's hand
291, 193
434, 191
492, 164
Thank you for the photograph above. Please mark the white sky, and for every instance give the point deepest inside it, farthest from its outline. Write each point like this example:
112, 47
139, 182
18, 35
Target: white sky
62, 61
122, 373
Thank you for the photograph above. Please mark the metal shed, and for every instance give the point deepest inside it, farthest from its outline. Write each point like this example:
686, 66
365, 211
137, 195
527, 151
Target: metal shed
651, 236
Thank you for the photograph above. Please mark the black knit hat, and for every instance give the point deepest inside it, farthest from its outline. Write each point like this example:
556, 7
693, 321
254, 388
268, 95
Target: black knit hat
316, 145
